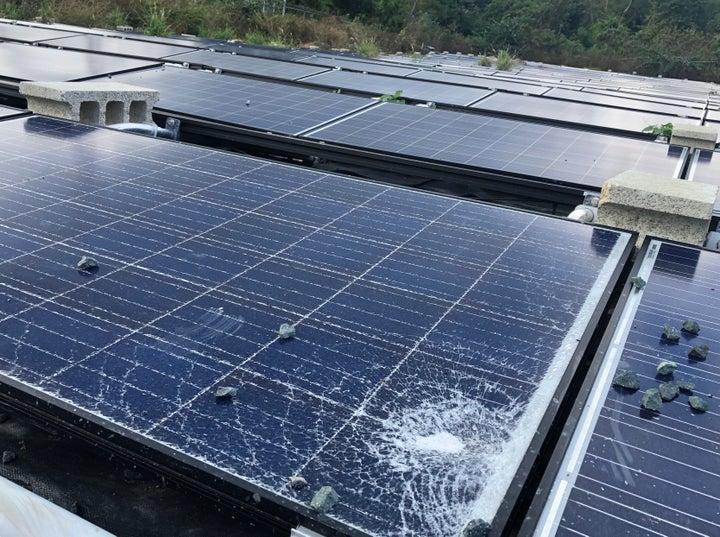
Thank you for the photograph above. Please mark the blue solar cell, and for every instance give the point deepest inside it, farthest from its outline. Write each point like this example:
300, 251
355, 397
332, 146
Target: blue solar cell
629, 469
427, 326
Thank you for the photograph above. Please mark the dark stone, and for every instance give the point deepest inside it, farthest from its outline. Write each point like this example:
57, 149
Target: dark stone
286, 331
697, 403
87, 263
685, 385
666, 367
225, 392
691, 327
651, 399
3, 417
324, 499
699, 352
627, 379
638, 282
670, 333
8, 456
476, 528
668, 391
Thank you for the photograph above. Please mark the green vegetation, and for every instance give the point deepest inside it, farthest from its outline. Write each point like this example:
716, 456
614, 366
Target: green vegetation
676, 38
504, 60
393, 98
666, 129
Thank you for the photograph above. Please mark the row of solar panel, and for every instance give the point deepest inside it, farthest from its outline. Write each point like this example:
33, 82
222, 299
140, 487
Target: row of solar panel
426, 331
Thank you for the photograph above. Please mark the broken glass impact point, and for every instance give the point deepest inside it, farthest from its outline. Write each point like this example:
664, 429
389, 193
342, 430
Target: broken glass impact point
225, 392
697, 403
670, 333
298, 483
666, 367
286, 331
638, 282
651, 399
668, 391
87, 263
699, 352
691, 326
324, 499
476, 528
627, 379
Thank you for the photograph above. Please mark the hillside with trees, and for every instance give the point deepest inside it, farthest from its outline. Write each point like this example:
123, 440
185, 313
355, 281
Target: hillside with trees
676, 38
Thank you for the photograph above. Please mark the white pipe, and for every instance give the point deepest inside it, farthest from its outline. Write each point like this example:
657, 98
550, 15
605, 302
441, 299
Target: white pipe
25, 514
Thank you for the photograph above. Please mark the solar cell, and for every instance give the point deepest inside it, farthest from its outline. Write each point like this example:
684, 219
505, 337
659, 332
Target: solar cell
117, 46
237, 63
432, 333
23, 62
630, 102
479, 82
411, 89
529, 149
633, 471
581, 114
28, 34
357, 65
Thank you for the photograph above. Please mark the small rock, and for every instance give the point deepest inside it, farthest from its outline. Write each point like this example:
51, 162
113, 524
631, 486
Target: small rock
697, 403
685, 385
699, 352
691, 327
225, 392
651, 399
476, 528
87, 263
324, 499
286, 331
298, 483
638, 283
627, 379
666, 367
3, 417
668, 391
256, 497
8, 456
670, 333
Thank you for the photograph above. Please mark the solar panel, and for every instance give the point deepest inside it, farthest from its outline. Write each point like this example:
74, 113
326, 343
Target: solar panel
411, 89
24, 62
117, 46
713, 116
479, 82
633, 471
705, 168
337, 62
242, 101
7, 111
237, 63
581, 114
557, 154
27, 34
630, 102
432, 334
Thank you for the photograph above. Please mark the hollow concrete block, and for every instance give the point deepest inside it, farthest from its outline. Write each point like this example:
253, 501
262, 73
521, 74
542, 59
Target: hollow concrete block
695, 136
97, 103
659, 206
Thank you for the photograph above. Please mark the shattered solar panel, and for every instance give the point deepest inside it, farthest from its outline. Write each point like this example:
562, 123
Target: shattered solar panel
637, 466
429, 334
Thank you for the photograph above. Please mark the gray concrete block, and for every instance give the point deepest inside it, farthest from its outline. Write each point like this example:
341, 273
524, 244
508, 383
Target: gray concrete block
98, 103
696, 136
658, 206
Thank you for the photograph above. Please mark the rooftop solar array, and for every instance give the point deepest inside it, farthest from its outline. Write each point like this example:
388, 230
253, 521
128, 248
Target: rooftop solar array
29, 34
412, 89
250, 65
579, 113
705, 168
432, 334
479, 82
117, 46
24, 62
634, 471
563, 155
245, 102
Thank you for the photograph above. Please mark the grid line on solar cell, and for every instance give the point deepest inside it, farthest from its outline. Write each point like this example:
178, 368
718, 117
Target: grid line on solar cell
245, 102
555, 153
183, 304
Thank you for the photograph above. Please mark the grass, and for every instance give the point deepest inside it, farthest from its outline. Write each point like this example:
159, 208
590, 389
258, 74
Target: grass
504, 60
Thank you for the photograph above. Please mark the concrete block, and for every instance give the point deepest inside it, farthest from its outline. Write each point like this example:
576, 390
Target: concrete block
696, 136
97, 103
658, 206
